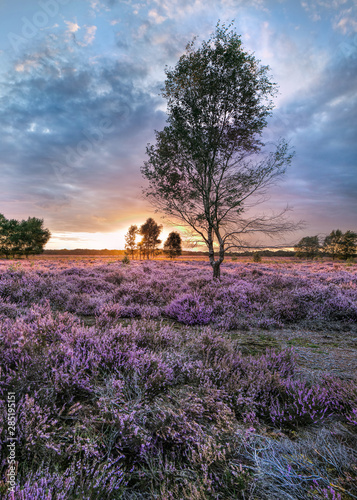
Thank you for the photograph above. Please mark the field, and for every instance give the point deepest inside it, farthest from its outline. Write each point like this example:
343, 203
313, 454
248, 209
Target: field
154, 381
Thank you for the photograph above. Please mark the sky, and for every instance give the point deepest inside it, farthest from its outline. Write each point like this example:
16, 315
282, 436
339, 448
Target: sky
80, 100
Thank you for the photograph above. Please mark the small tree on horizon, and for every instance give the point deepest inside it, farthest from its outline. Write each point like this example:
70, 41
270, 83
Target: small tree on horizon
172, 246
9, 236
308, 247
33, 236
150, 231
332, 243
348, 245
130, 240
209, 160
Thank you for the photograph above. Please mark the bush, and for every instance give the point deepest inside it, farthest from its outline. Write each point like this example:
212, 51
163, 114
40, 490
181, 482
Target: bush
190, 310
125, 260
257, 257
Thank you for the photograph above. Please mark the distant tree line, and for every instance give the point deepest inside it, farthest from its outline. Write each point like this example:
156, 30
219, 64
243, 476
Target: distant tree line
336, 245
263, 253
85, 251
22, 238
148, 246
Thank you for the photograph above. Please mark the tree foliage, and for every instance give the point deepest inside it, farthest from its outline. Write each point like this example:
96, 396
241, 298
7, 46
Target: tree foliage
172, 246
336, 245
332, 243
150, 232
308, 247
341, 245
348, 245
208, 161
19, 238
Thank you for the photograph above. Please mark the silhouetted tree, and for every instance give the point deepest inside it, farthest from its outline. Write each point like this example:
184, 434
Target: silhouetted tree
140, 250
172, 246
150, 231
201, 169
308, 247
130, 240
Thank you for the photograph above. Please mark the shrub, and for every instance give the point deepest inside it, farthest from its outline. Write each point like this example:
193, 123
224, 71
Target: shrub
257, 257
125, 260
190, 309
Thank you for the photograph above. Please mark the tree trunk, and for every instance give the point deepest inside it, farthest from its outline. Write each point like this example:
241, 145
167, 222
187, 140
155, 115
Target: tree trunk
216, 264
217, 269
211, 252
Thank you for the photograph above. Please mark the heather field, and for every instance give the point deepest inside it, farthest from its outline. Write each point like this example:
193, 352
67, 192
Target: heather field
154, 381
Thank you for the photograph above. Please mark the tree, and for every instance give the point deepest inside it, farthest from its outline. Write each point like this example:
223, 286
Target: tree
348, 245
140, 250
308, 247
33, 236
201, 171
27, 237
130, 240
332, 243
9, 236
150, 232
172, 245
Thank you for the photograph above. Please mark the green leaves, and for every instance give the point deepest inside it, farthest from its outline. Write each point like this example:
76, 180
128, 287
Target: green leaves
341, 245
26, 237
308, 247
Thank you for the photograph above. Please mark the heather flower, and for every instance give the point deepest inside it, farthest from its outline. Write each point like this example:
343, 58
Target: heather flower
190, 309
129, 383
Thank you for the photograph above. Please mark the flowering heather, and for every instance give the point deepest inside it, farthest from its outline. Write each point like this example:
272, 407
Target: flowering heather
130, 383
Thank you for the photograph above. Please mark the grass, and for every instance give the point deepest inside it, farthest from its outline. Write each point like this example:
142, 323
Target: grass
255, 345
302, 342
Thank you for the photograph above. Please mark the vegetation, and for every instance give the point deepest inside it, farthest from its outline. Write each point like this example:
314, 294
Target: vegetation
84, 251
332, 243
348, 245
257, 257
22, 238
150, 232
336, 245
172, 246
131, 382
125, 260
130, 240
209, 160
308, 247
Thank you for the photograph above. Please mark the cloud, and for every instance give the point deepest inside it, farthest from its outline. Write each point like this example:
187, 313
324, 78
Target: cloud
56, 151
342, 14
60, 161
157, 18
321, 126
90, 34
346, 23
26, 65
72, 27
